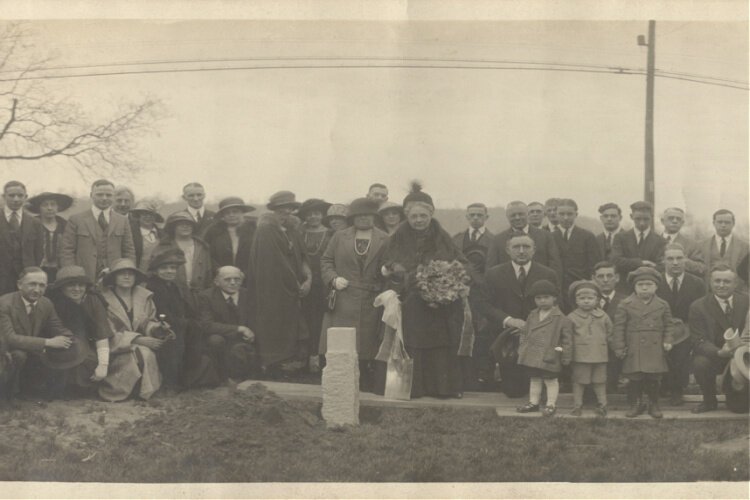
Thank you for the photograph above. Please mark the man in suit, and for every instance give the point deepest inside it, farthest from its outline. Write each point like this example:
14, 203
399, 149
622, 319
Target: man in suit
724, 245
97, 237
546, 252
679, 289
611, 217
21, 237
30, 328
550, 210
124, 199
536, 214
709, 317
579, 251
673, 219
194, 195
639, 246
226, 317
606, 277
505, 302
477, 233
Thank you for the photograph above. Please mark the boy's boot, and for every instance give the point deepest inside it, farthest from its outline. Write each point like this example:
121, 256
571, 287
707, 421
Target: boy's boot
634, 397
652, 389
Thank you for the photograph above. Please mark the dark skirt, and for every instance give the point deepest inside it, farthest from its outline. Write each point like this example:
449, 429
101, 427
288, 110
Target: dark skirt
540, 373
437, 372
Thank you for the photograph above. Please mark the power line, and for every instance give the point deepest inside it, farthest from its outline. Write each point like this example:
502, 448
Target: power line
533, 66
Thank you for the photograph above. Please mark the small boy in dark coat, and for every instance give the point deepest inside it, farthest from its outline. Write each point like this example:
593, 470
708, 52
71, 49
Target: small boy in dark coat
643, 334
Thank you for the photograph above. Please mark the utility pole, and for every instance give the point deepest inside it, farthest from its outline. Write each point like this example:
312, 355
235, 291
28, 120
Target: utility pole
649, 139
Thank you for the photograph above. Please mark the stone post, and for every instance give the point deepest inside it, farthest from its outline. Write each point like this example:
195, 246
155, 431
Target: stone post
341, 378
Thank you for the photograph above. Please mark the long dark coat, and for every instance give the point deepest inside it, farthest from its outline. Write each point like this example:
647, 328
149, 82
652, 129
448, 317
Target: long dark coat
354, 305
277, 263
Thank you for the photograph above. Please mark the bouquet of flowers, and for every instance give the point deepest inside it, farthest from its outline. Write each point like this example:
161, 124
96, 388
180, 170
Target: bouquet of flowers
441, 282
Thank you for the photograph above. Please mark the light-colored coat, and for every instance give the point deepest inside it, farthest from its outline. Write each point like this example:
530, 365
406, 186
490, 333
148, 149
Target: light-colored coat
592, 332
640, 329
354, 305
539, 339
736, 251
124, 371
79, 246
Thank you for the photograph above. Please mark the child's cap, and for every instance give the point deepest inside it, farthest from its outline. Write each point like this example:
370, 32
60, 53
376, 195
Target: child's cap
644, 273
543, 287
581, 285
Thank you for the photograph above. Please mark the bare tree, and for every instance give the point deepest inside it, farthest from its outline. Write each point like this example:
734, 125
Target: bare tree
34, 124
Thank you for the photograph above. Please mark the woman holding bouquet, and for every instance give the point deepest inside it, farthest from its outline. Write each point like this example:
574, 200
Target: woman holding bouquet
432, 328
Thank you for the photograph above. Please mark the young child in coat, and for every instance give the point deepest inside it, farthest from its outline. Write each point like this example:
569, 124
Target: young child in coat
592, 332
544, 347
643, 333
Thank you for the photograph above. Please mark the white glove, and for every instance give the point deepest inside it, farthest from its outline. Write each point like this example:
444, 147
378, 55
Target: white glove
100, 373
340, 283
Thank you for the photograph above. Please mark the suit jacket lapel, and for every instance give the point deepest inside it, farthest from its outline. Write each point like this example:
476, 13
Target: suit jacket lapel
92, 224
718, 313
23, 317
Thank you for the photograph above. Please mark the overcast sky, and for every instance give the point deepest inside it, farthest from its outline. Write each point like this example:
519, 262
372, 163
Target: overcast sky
469, 134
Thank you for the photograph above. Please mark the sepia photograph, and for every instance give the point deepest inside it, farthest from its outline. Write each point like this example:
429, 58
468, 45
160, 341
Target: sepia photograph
365, 250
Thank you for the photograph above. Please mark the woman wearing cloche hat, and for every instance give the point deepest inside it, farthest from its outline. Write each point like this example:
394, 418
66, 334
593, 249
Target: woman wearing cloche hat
231, 235
132, 317
179, 233
47, 206
351, 265
83, 311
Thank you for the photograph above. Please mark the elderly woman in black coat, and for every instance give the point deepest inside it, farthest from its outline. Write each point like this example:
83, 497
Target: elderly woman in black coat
432, 335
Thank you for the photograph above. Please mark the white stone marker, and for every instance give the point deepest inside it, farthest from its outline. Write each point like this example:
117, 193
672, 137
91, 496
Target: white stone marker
341, 378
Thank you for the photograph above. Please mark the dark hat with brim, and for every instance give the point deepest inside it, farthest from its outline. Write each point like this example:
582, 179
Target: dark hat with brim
63, 359
283, 199
233, 202
68, 275
335, 210
34, 203
176, 218
644, 273
362, 206
166, 255
543, 287
313, 205
147, 207
122, 265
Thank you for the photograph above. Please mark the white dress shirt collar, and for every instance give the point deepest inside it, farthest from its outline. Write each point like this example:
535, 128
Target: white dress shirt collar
8, 212
96, 211
194, 212
517, 268
717, 238
235, 296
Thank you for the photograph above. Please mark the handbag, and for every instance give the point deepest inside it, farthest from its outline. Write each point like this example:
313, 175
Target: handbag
331, 299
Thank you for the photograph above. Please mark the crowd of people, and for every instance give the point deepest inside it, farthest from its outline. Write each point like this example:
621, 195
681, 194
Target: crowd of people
120, 301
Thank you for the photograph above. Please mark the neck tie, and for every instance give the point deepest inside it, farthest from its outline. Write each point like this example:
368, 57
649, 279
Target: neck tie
15, 224
675, 290
30, 309
230, 302
728, 310
668, 237
565, 235
723, 249
102, 221
640, 240
609, 240
605, 304
474, 234
522, 277
198, 217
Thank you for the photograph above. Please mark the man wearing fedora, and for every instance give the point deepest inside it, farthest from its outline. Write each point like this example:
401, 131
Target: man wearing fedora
21, 237
194, 195
679, 289
94, 239
282, 278
38, 342
225, 316
47, 206
724, 308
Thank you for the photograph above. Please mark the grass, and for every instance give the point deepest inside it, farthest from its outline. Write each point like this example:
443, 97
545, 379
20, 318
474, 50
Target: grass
248, 436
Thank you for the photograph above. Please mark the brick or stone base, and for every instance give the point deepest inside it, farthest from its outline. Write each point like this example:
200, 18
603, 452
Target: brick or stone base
341, 389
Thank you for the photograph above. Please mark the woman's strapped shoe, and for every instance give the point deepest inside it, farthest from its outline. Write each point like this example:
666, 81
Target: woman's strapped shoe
601, 411
549, 411
527, 408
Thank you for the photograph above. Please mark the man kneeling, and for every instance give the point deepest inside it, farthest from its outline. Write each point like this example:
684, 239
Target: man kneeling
226, 316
